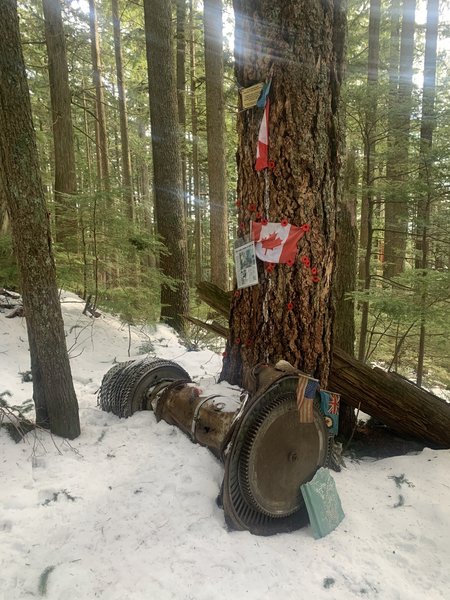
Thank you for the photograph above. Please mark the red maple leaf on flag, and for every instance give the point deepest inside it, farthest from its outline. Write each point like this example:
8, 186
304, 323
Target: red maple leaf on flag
270, 242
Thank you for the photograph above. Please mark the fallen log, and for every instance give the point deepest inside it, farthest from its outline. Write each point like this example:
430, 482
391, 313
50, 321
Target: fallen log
393, 400
215, 297
13, 301
214, 327
16, 312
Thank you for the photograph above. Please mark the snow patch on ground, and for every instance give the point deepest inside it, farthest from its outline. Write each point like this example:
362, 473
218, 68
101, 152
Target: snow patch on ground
128, 511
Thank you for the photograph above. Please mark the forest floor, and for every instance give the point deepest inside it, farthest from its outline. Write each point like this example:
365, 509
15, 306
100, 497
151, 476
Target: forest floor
127, 511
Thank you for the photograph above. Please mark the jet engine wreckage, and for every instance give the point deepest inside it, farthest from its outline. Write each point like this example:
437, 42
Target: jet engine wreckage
271, 440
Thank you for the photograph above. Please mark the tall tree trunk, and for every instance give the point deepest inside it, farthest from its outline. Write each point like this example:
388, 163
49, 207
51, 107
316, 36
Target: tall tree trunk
181, 89
100, 125
396, 204
369, 164
289, 314
369, 130
215, 129
426, 142
87, 186
195, 165
166, 159
145, 196
63, 139
123, 115
21, 185
346, 259
345, 277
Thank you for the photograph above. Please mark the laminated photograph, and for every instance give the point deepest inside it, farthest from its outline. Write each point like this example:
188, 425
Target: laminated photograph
245, 261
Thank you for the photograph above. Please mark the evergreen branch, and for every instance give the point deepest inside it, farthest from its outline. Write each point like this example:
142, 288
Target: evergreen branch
85, 134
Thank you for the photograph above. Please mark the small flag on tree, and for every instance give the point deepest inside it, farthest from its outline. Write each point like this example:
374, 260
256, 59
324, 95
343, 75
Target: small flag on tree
263, 95
262, 150
276, 242
306, 391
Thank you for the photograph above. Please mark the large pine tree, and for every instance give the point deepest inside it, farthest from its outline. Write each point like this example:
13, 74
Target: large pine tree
289, 314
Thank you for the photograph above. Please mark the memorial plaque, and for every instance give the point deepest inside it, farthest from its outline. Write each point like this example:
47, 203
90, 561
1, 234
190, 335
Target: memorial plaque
323, 503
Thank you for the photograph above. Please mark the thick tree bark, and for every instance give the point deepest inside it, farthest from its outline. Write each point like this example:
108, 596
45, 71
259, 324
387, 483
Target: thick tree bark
166, 159
54, 395
123, 115
289, 315
215, 130
396, 204
63, 139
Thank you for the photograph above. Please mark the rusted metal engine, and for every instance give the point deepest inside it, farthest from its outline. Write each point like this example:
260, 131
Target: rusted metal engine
270, 440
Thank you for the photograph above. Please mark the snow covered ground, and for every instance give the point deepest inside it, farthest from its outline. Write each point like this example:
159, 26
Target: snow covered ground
127, 511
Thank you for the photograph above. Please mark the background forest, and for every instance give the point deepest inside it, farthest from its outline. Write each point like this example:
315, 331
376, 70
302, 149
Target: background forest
97, 169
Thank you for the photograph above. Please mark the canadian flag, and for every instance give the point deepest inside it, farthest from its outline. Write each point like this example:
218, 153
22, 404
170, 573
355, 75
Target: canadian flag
262, 150
276, 242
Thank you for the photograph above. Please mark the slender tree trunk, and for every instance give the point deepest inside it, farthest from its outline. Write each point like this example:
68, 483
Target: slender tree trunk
394, 60
167, 159
101, 136
426, 142
396, 205
215, 129
195, 165
4, 219
345, 277
123, 115
369, 164
87, 140
369, 131
346, 259
63, 141
21, 185
289, 314
88, 186
181, 88
145, 196
144, 181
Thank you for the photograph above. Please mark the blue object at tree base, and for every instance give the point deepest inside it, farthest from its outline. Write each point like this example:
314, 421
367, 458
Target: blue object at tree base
322, 503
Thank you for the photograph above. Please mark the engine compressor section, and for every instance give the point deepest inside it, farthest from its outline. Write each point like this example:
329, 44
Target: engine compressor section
271, 440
